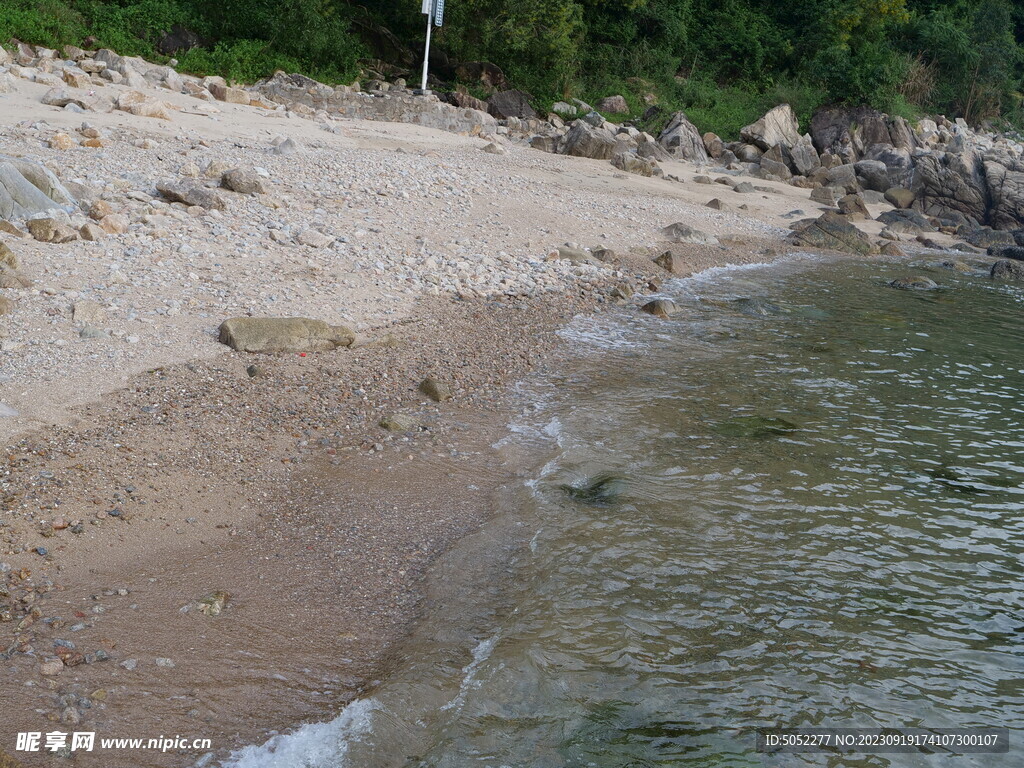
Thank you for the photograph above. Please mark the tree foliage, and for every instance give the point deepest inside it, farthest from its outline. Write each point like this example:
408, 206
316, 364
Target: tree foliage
723, 58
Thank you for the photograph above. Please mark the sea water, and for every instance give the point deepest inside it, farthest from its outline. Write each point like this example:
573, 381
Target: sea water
798, 502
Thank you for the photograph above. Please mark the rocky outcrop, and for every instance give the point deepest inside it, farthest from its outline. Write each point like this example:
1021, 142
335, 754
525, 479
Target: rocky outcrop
847, 132
1008, 270
397, 107
511, 103
1004, 179
951, 182
779, 126
283, 334
681, 139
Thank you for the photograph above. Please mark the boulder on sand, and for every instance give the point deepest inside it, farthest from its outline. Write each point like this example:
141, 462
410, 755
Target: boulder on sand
283, 334
683, 233
28, 188
584, 140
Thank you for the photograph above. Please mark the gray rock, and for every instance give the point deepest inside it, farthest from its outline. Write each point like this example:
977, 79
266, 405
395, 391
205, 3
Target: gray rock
900, 197
1008, 270
844, 177
630, 163
400, 422
852, 206
672, 263
848, 132
903, 220
681, 139
245, 181
899, 166
286, 147
28, 188
914, 283
948, 182
1015, 252
683, 233
834, 232
584, 140
510, 103
1004, 177
779, 126
826, 195
662, 308
283, 334
192, 194
805, 156
987, 238
872, 174
435, 389
612, 105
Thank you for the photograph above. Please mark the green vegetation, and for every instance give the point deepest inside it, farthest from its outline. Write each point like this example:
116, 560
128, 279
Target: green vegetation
723, 61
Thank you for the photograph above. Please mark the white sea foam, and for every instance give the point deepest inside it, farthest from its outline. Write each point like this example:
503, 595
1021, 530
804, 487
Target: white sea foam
315, 745
481, 653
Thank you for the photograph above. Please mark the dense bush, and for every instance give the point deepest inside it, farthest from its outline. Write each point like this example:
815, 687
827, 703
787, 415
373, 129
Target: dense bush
724, 61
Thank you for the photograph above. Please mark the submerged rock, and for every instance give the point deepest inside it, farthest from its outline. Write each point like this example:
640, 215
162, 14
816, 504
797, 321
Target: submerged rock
914, 283
662, 308
756, 427
214, 603
604, 488
1007, 269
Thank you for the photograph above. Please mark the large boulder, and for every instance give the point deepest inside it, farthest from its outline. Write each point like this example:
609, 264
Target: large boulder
1009, 270
682, 139
844, 177
584, 140
283, 334
905, 220
778, 126
848, 132
833, 232
612, 105
179, 39
951, 182
872, 174
28, 188
805, 156
899, 166
630, 163
482, 72
466, 101
511, 103
1004, 177
901, 134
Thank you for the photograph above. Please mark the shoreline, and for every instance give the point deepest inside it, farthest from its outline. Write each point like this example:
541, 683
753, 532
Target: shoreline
275, 517
150, 469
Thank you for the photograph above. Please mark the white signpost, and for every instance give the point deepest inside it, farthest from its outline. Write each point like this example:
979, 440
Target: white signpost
434, 9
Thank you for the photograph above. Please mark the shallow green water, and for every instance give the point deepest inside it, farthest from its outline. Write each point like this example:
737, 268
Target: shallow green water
798, 502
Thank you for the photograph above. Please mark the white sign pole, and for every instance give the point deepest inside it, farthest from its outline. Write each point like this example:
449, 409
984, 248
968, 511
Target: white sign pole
426, 52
